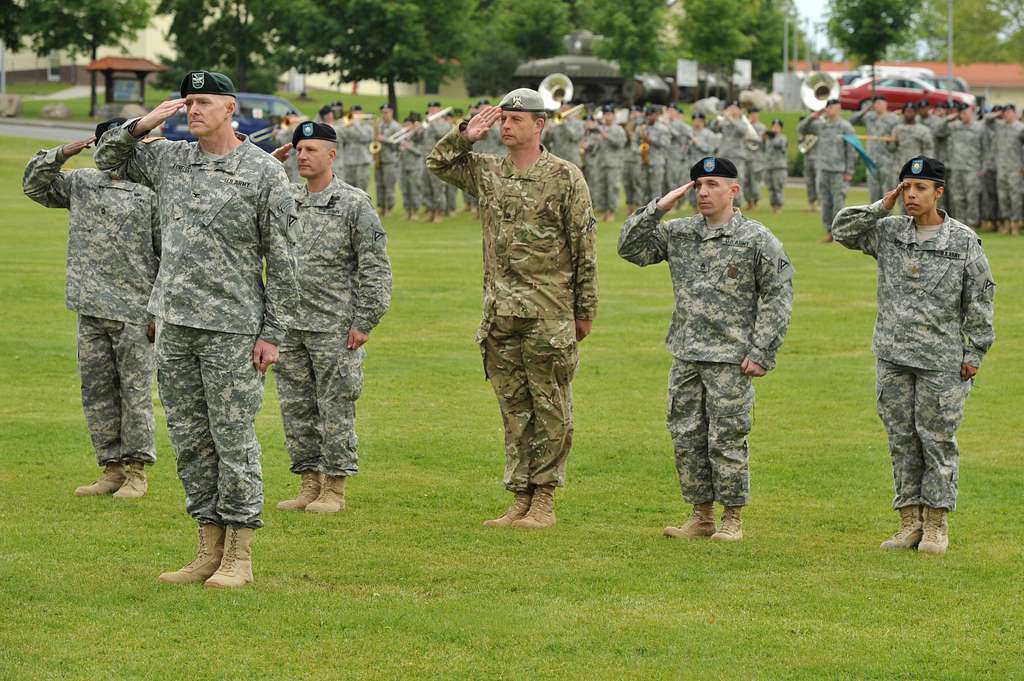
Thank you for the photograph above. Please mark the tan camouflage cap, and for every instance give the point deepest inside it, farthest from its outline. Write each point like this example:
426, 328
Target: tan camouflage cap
523, 99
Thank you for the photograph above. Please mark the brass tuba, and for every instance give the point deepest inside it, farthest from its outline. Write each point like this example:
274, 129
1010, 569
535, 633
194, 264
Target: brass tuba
817, 89
554, 90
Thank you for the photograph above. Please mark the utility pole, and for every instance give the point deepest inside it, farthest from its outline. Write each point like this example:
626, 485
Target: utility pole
949, 49
785, 59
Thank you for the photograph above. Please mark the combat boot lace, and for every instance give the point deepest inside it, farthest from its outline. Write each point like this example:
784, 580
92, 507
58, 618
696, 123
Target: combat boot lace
111, 480
700, 524
207, 560
309, 490
135, 484
236, 567
519, 508
909, 534
936, 531
542, 509
332, 496
731, 528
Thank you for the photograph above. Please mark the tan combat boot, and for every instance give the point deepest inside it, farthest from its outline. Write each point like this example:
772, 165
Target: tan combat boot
332, 496
519, 508
111, 480
542, 509
909, 534
135, 484
936, 531
700, 524
731, 528
211, 548
236, 566
309, 490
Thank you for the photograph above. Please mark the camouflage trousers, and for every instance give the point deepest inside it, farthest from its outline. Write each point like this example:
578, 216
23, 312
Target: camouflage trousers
115, 362
1011, 194
211, 392
989, 202
921, 411
451, 195
632, 182
411, 198
710, 413
469, 200
832, 190
606, 193
674, 173
776, 186
530, 364
432, 191
318, 383
751, 181
878, 182
965, 204
654, 182
358, 176
385, 178
811, 178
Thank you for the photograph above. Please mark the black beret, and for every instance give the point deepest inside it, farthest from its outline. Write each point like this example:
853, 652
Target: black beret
106, 125
206, 82
311, 130
779, 121
698, 114
385, 106
608, 108
651, 109
997, 108
1009, 107
831, 102
754, 109
880, 98
729, 102
713, 166
924, 168
324, 110
357, 107
437, 104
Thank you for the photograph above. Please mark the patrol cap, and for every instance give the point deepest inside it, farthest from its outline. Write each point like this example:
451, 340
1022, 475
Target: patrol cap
713, 166
435, 103
311, 130
106, 125
523, 99
924, 168
208, 83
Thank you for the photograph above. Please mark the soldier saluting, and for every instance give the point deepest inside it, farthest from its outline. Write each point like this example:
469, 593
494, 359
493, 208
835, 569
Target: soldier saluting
540, 289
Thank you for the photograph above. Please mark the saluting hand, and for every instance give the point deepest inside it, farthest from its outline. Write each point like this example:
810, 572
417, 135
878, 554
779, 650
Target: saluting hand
75, 147
480, 125
281, 153
669, 201
889, 200
161, 113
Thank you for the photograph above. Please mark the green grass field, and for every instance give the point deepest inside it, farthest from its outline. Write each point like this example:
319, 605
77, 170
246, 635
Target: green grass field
407, 584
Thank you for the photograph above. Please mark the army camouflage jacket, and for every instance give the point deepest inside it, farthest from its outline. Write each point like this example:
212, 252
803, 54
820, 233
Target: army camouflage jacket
832, 153
219, 220
343, 269
563, 140
388, 150
733, 284
610, 150
410, 151
539, 231
877, 125
113, 237
660, 138
775, 152
964, 143
911, 141
1007, 141
354, 143
934, 298
732, 138
703, 144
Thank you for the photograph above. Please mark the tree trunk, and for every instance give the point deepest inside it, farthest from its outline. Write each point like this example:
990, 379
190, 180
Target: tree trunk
873, 77
92, 84
392, 97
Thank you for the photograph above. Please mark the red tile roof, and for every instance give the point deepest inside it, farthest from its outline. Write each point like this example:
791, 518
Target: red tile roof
978, 75
125, 64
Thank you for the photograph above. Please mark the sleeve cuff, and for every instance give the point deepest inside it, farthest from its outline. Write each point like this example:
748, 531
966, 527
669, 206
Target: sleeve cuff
972, 357
765, 359
272, 334
362, 324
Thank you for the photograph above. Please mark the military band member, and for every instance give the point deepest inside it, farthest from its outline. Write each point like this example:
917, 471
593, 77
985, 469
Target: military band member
964, 146
283, 135
632, 170
732, 140
657, 137
540, 290
410, 154
879, 123
607, 155
809, 144
733, 300
682, 134
225, 210
386, 163
326, 115
703, 144
468, 200
776, 153
344, 279
933, 327
755, 166
112, 262
835, 159
563, 137
354, 137
434, 192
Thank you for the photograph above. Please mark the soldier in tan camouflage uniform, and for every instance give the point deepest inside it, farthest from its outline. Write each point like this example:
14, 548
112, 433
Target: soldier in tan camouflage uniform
113, 258
933, 327
344, 289
734, 295
225, 210
540, 290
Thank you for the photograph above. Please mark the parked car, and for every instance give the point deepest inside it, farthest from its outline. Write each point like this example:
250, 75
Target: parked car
898, 91
256, 117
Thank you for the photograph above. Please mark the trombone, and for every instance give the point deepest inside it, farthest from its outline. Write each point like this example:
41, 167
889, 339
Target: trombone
404, 133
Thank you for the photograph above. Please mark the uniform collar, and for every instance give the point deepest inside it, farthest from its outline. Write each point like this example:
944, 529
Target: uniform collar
509, 170
321, 198
229, 162
727, 229
908, 234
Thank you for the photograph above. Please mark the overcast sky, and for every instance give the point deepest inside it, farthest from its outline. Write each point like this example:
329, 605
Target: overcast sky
815, 11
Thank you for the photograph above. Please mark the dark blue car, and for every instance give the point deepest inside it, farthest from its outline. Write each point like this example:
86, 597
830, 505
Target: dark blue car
256, 117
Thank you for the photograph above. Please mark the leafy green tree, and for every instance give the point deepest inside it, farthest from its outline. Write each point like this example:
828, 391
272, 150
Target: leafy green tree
535, 27
866, 29
983, 30
489, 69
630, 31
715, 34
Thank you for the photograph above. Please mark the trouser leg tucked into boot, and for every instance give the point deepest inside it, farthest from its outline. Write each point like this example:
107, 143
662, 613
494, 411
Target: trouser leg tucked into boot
700, 524
236, 566
135, 484
731, 528
211, 549
936, 531
542, 509
909, 534
519, 508
309, 491
111, 480
332, 495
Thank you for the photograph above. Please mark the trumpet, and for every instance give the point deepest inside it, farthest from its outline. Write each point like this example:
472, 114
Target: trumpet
353, 116
560, 118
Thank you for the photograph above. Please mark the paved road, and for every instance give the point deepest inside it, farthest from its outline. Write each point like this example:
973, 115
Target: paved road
56, 132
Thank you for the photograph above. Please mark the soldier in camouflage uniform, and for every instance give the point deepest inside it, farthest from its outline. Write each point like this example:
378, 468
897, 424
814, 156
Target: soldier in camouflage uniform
703, 144
776, 154
282, 136
910, 139
344, 281
411, 159
113, 258
732, 141
810, 167
658, 138
468, 200
224, 208
933, 327
562, 138
540, 290
734, 295
386, 166
607, 155
755, 161
354, 138
963, 135
932, 117
879, 123
1007, 134
631, 169
435, 197
834, 159
682, 134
